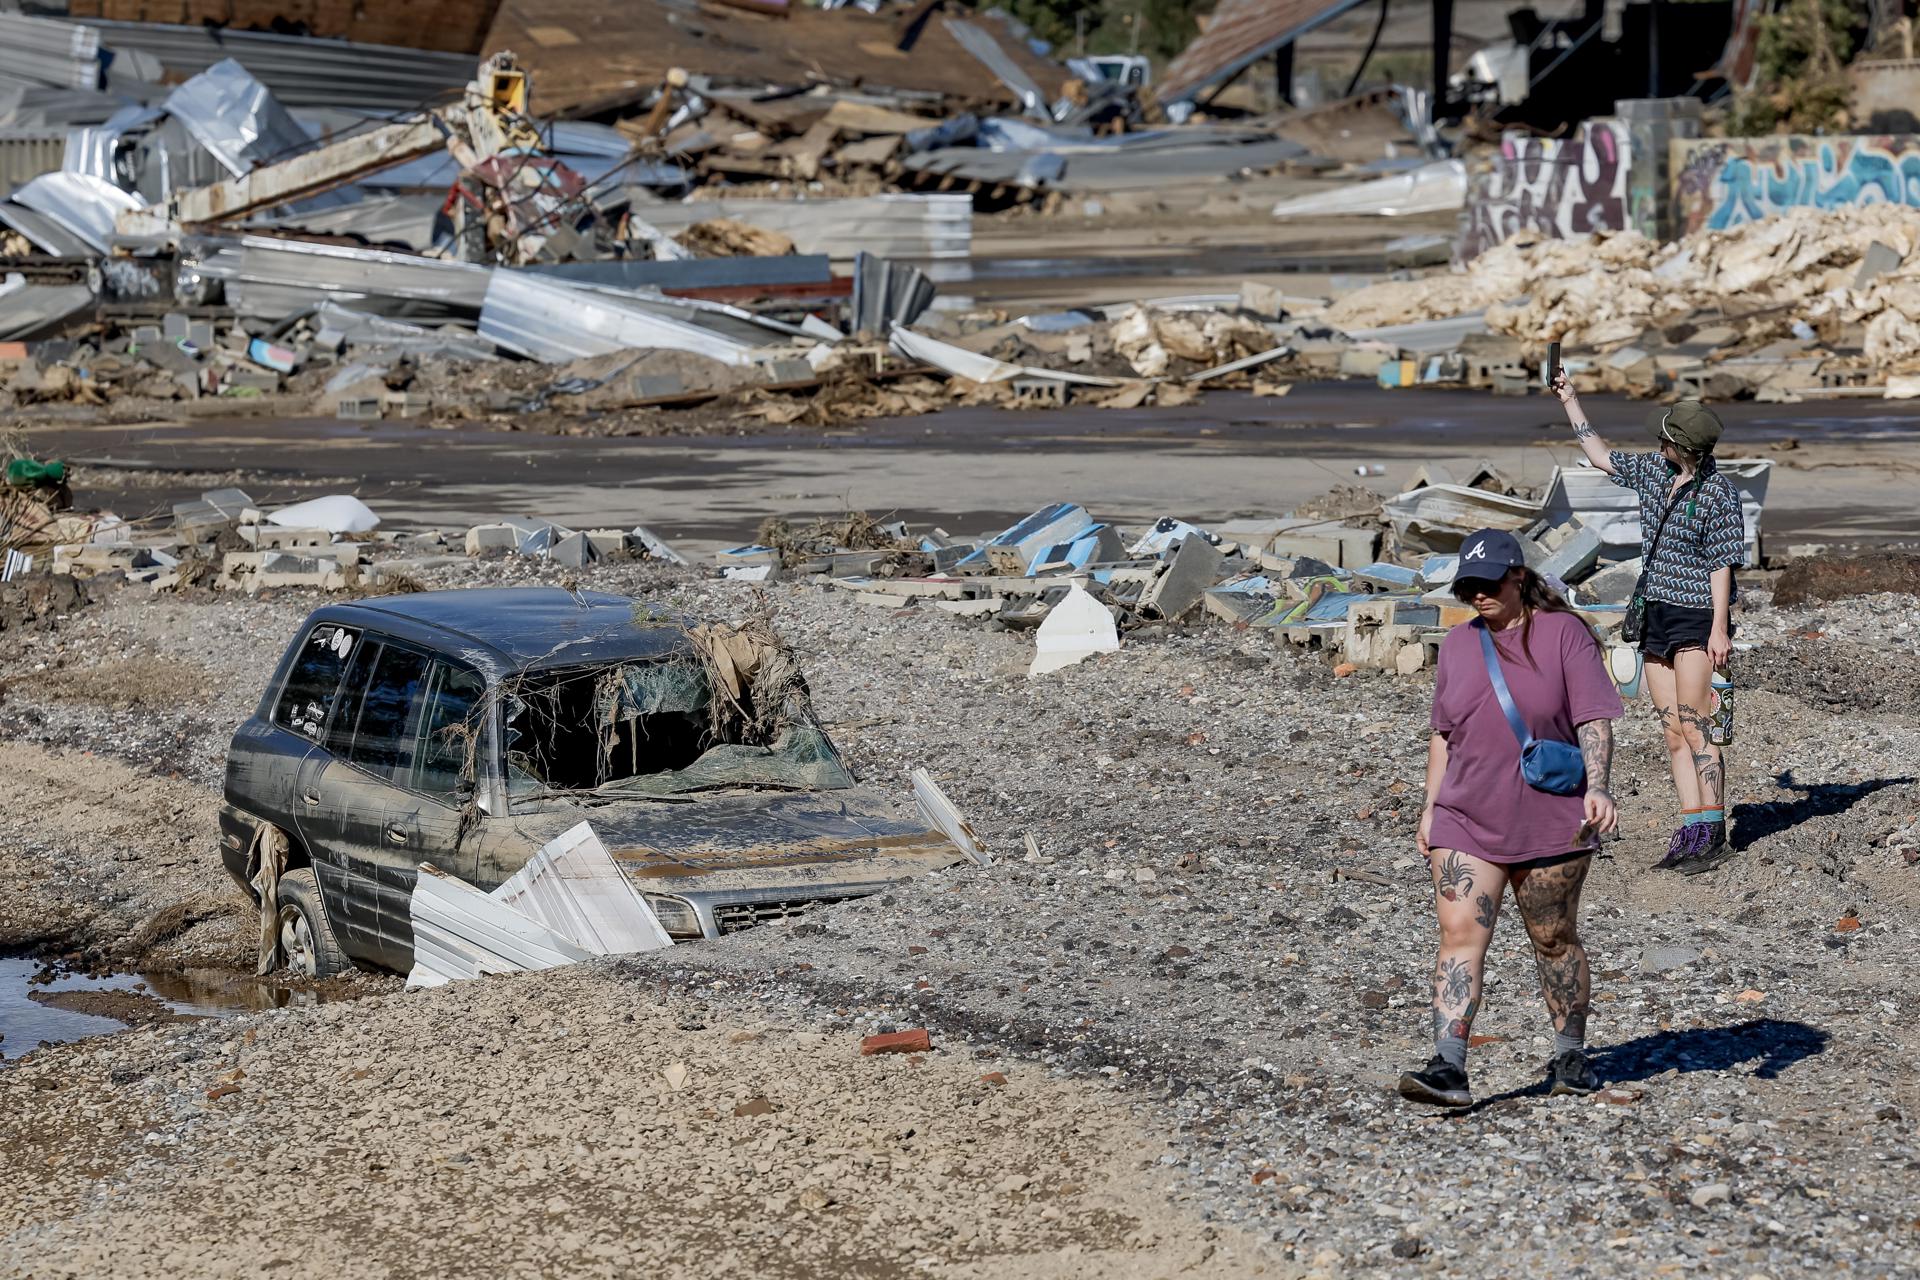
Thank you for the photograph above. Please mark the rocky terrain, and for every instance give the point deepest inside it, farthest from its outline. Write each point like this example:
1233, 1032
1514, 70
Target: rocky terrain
1199, 990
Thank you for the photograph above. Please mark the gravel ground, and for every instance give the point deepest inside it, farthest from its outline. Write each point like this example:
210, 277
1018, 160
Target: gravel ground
1184, 968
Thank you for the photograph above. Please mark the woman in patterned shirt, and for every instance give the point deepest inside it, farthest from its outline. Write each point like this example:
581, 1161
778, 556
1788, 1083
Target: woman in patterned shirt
1690, 593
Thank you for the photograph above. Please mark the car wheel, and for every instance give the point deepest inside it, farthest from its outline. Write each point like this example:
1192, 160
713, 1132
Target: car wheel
307, 944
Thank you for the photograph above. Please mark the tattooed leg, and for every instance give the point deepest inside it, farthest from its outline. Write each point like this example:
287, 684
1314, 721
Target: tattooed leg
1692, 673
1663, 690
1549, 901
1466, 927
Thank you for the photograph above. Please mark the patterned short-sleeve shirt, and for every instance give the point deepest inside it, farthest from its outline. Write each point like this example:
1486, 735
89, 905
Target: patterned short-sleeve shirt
1706, 531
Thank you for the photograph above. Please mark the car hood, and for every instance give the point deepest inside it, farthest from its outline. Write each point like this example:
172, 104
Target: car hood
762, 839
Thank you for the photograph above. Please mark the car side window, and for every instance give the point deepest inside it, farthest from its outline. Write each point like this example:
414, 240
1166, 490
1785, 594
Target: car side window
353, 688
382, 741
313, 682
447, 727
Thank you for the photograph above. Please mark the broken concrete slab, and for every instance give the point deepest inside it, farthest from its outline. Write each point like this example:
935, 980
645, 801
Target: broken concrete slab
1193, 567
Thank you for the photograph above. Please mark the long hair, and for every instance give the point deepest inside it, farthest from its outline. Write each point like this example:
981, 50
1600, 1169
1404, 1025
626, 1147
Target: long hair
1537, 597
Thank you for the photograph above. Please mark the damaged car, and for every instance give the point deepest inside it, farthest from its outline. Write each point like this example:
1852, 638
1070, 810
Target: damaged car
467, 729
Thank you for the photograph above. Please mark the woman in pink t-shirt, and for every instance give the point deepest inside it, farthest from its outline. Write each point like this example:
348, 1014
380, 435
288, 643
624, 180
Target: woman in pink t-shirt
1486, 827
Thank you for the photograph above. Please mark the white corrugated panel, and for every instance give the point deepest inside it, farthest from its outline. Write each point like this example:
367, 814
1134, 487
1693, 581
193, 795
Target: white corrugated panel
546, 320
460, 932
574, 887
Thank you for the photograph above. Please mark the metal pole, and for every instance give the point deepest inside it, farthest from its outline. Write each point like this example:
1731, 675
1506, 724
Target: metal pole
1442, 51
1653, 48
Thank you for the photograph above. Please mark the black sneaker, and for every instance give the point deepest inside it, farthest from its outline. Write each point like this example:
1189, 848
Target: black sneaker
1572, 1075
1677, 847
1439, 1082
1709, 851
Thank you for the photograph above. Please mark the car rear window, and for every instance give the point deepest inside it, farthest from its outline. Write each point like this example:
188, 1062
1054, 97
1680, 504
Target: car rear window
313, 683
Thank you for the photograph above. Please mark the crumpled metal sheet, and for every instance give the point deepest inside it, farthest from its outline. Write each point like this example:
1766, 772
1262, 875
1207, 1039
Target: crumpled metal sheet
43, 232
79, 203
977, 41
550, 321
93, 149
233, 116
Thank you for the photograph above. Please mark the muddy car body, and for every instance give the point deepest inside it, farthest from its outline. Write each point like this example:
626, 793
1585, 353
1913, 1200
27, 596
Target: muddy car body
466, 729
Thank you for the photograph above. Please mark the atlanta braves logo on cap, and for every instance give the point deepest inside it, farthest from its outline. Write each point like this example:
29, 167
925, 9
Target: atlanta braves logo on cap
1478, 551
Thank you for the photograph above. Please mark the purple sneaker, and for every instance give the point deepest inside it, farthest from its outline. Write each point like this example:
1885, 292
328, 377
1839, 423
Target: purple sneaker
1677, 848
1709, 850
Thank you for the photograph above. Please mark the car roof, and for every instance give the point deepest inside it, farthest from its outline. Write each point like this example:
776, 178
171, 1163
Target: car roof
506, 629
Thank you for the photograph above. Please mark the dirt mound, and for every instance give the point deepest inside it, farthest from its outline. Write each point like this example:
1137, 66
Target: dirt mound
36, 597
1815, 579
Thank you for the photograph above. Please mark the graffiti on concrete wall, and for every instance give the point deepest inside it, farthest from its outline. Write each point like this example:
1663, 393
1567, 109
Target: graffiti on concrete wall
1726, 182
1552, 186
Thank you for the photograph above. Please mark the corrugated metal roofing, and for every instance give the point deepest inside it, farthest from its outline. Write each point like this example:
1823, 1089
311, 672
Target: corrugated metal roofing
1240, 33
548, 320
63, 55
274, 278
302, 71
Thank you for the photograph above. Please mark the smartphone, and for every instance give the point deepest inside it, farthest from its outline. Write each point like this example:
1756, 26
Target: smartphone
1553, 362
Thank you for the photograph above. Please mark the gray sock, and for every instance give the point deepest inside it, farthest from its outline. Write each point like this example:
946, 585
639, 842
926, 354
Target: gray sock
1564, 1043
1453, 1049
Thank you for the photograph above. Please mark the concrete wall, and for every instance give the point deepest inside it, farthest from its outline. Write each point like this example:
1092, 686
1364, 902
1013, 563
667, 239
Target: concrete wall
1725, 182
1548, 185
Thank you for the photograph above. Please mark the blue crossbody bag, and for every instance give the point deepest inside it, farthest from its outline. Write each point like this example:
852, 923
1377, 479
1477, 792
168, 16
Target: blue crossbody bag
1546, 765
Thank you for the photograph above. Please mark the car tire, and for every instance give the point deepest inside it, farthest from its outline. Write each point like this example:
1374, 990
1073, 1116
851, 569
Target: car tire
308, 946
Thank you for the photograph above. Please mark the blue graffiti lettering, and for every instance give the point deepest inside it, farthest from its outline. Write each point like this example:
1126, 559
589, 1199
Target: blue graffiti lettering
1747, 191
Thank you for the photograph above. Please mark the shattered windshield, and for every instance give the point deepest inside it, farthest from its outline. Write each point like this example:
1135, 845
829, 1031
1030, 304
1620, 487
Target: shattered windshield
649, 728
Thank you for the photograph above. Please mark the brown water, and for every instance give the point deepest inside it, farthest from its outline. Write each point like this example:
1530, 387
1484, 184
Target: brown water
27, 1024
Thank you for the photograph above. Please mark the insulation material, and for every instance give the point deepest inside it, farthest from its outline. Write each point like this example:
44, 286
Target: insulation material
1606, 289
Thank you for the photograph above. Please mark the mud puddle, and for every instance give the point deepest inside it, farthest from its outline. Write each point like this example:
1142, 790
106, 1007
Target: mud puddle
72, 1006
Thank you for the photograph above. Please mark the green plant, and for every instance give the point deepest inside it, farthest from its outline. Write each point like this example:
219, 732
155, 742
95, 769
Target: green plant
1799, 70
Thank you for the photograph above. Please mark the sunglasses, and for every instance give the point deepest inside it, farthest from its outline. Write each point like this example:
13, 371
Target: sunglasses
1466, 590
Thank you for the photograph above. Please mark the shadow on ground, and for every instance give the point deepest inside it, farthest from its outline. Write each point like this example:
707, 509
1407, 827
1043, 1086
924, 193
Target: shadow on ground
1755, 822
1773, 1044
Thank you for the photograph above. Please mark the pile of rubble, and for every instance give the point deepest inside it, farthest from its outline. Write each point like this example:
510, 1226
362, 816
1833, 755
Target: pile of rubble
1368, 586
1810, 303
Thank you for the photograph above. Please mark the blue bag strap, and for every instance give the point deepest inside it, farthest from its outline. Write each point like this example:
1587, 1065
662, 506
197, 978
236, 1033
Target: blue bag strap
1500, 686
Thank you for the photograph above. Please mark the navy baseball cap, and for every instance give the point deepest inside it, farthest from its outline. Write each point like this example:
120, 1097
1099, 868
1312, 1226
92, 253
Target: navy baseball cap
1489, 553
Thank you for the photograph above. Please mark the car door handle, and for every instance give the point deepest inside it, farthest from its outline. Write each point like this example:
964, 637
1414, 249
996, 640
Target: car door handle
397, 835
309, 797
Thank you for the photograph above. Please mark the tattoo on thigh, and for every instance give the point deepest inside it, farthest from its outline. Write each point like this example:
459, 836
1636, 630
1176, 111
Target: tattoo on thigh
1487, 909
1456, 878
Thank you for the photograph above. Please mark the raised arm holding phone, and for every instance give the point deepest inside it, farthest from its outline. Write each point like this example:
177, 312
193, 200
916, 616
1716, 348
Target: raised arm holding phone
1692, 538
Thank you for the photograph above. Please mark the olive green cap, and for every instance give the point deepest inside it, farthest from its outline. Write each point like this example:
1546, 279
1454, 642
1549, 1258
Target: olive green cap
1685, 423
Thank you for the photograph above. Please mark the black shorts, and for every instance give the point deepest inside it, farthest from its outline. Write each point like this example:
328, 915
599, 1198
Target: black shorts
1672, 628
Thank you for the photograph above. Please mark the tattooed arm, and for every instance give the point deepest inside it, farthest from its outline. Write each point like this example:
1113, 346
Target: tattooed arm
1596, 745
1583, 433
1436, 770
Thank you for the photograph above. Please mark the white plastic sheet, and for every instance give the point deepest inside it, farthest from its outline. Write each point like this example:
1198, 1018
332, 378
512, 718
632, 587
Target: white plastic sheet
1432, 188
336, 513
1078, 628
